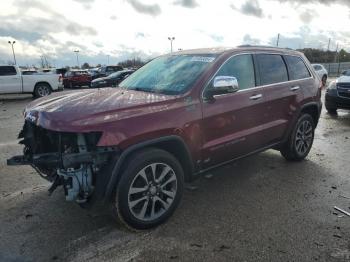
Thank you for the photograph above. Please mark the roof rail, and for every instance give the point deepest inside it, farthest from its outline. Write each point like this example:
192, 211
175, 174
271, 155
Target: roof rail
264, 46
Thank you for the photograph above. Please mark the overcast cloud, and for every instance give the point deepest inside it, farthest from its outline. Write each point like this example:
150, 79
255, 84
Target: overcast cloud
129, 28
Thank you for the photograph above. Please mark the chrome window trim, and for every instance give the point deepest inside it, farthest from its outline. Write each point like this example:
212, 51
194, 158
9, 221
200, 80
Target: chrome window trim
261, 86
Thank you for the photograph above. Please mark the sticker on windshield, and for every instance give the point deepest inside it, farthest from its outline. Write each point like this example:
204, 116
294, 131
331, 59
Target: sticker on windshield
203, 59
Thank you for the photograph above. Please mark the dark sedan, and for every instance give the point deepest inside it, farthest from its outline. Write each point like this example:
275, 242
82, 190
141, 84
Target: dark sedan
112, 80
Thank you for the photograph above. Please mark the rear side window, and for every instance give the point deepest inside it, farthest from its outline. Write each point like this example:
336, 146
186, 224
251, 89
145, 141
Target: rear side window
297, 68
272, 69
7, 71
241, 67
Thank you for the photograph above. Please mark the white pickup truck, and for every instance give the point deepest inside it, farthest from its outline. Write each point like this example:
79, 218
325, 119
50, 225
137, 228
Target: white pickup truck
13, 82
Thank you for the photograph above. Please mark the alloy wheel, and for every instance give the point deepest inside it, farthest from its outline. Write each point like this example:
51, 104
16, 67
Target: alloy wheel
43, 91
304, 137
152, 191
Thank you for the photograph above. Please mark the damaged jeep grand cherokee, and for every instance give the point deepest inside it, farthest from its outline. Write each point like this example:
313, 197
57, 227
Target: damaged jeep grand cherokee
180, 115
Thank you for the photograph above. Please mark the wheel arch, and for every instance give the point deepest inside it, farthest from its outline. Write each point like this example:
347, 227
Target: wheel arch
43, 82
173, 144
312, 109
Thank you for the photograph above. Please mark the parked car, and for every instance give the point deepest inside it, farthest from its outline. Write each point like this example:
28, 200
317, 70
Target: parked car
76, 78
346, 72
322, 73
107, 70
112, 80
338, 93
175, 118
94, 72
12, 81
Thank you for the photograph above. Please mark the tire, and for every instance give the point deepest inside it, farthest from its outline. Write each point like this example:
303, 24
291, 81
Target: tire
137, 193
300, 140
42, 90
324, 80
331, 111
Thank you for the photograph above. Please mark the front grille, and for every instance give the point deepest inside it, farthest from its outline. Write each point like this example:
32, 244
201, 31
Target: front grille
343, 90
343, 85
345, 94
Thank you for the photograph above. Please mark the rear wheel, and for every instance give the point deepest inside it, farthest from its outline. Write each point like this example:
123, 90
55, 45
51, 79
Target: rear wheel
42, 90
149, 190
300, 140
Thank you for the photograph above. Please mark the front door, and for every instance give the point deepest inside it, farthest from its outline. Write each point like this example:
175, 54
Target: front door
233, 124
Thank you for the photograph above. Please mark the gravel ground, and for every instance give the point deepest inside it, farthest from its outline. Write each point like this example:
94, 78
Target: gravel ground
260, 208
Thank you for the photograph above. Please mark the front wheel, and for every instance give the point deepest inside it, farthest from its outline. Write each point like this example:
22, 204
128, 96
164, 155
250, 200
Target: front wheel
149, 190
300, 140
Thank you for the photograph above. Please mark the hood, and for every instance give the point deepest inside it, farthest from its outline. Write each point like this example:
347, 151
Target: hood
72, 111
343, 79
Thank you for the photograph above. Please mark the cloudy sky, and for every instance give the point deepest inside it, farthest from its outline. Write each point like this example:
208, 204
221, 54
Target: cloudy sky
124, 29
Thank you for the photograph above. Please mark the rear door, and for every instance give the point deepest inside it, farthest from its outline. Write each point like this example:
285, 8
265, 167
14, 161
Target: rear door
283, 78
10, 80
233, 124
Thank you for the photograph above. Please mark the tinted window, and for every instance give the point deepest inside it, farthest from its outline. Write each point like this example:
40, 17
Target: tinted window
297, 68
272, 69
7, 71
241, 67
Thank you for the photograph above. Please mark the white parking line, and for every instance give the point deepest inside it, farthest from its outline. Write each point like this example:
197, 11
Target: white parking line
10, 143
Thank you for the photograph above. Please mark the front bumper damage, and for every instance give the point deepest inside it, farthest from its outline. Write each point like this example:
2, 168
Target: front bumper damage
71, 160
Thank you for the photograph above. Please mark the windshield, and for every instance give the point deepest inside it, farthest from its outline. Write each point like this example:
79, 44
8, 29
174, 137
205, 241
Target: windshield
173, 74
346, 73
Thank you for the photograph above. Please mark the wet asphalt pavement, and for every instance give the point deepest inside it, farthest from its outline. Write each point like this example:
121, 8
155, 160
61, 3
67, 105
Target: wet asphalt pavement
260, 208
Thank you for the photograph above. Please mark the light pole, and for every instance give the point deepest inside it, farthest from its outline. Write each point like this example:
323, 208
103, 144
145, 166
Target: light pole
13, 50
278, 40
171, 42
77, 53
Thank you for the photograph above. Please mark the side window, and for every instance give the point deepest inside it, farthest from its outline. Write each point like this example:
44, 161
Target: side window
7, 71
297, 68
241, 67
272, 69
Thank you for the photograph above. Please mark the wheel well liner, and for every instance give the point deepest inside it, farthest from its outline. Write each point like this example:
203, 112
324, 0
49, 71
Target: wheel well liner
312, 109
172, 144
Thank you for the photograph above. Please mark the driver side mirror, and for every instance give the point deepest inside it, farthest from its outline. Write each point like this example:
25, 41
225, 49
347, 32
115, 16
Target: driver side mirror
222, 85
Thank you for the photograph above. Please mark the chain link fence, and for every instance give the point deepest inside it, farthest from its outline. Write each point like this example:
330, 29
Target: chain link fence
335, 69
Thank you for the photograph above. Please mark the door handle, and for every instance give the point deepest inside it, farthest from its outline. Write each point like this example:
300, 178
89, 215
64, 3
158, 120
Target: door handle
255, 97
295, 88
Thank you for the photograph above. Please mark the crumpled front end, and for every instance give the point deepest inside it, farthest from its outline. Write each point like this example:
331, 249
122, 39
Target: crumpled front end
71, 160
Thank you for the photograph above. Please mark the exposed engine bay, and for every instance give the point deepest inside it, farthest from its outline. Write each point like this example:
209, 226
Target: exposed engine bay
66, 159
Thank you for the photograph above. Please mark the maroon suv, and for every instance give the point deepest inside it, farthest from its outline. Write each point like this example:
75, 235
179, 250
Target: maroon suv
180, 115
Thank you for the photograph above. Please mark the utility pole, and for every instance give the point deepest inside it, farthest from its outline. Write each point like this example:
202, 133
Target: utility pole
278, 39
329, 44
338, 55
13, 51
77, 53
171, 39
